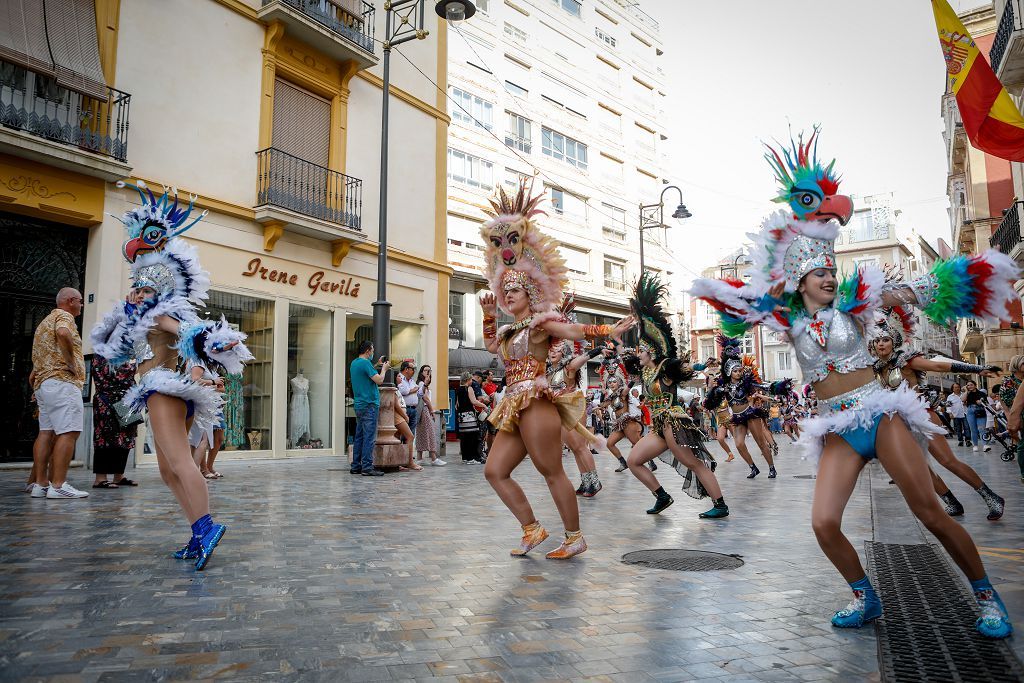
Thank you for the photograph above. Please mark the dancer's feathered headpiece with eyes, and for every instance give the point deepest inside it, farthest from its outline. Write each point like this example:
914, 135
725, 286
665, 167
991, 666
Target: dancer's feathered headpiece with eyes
656, 335
518, 255
159, 260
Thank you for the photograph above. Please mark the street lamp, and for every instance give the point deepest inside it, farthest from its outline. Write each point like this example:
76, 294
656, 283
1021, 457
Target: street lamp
735, 266
648, 221
404, 22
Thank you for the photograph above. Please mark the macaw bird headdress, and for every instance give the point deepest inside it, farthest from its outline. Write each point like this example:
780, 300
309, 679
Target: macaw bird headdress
896, 323
793, 243
167, 265
517, 254
656, 335
732, 355
810, 189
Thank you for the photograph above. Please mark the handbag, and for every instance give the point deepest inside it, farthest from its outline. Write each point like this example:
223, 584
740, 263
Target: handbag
126, 416
467, 421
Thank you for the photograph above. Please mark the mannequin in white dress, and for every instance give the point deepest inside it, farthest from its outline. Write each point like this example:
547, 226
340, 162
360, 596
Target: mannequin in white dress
298, 410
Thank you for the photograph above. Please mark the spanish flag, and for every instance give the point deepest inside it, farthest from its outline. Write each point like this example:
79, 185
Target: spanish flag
991, 120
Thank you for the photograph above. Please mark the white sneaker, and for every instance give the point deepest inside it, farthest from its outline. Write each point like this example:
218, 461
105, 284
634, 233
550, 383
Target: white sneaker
438, 463
987, 449
39, 491
66, 490
975, 449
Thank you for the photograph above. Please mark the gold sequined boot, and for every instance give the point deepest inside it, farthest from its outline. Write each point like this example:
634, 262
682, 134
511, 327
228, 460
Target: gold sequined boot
533, 535
573, 545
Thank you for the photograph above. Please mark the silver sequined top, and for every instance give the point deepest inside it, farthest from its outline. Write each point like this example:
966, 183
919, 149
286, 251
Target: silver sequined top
845, 351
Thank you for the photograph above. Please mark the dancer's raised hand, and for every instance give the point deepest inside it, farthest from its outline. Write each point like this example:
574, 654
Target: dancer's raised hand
488, 303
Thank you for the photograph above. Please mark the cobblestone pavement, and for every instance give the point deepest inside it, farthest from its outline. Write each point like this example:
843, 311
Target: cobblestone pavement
326, 576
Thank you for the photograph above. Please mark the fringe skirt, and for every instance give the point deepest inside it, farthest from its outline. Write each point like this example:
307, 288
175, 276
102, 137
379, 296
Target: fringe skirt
688, 434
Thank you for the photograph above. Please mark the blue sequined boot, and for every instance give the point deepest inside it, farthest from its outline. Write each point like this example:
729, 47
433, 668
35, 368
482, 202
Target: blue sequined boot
864, 607
994, 621
190, 551
209, 535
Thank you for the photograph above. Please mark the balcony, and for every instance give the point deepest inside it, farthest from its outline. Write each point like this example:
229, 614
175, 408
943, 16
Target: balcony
342, 29
615, 284
1007, 53
1007, 237
50, 124
968, 335
642, 17
309, 199
953, 134
516, 141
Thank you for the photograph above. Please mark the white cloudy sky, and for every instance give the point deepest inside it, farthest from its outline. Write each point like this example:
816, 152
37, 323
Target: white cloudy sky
870, 72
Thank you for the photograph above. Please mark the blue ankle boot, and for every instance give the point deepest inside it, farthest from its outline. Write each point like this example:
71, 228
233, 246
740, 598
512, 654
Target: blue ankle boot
190, 551
994, 621
865, 607
208, 543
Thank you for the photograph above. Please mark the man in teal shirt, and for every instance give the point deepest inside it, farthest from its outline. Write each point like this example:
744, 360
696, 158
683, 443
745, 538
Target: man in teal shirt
365, 380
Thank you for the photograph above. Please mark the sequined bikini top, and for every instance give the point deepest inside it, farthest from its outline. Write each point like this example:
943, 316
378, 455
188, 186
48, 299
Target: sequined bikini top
523, 359
657, 398
845, 349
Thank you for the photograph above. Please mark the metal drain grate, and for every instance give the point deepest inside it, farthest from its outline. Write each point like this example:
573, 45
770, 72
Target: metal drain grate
805, 476
927, 630
679, 560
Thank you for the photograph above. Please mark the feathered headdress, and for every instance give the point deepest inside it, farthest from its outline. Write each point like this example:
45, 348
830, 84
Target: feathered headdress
731, 354
797, 168
896, 323
656, 335
787, 249
158, 260
517, 255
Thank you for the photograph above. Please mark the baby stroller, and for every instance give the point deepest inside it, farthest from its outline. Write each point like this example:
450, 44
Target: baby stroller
999, 434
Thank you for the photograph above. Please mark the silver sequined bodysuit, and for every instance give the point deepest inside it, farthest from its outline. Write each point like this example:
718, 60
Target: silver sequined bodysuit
845, 351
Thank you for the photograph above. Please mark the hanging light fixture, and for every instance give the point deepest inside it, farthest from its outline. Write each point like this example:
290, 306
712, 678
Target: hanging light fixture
455, 10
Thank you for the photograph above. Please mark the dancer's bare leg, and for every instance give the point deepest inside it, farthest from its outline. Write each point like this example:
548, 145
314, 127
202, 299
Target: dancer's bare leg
578, 445
218, 442
838, 470
507, 451
723, 433
645, 450
540, 428
167, 422
763, 437
684, 455
739, 433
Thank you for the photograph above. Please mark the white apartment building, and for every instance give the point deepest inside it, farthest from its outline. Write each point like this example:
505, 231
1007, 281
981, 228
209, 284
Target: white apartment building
571, 93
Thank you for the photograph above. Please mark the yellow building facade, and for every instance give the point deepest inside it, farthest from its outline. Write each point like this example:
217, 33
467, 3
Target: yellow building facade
270, 114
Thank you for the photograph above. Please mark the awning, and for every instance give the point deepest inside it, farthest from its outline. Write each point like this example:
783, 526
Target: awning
55, 38
23, 36
466, 359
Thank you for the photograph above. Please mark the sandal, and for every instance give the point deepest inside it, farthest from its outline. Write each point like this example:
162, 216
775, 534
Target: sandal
126, 482
209, 475
105, 485
217, 475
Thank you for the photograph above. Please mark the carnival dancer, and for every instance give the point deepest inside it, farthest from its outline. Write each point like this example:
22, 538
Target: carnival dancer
896, 365
527, 279
790, 419
563, 375
625, 405
674, 437
739, 384
794, 289
723, 418
158, 327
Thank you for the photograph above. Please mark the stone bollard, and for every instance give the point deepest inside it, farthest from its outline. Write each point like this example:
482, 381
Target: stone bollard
388, 451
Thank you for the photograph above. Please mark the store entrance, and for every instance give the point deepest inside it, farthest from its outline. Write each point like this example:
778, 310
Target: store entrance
37, 259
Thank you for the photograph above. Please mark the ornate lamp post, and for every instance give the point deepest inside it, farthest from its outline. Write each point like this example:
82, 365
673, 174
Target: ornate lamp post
653, 216
404, 21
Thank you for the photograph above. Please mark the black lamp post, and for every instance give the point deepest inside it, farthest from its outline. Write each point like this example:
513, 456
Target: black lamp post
404, 21
649, 219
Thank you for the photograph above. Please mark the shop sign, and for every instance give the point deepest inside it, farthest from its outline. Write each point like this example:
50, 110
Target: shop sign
454, 332
320, 282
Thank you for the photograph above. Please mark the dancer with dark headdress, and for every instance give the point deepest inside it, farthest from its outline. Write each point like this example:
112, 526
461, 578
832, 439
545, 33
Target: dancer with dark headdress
794, 289
897, 365
674, 436
738, 384
527, 279
157, 326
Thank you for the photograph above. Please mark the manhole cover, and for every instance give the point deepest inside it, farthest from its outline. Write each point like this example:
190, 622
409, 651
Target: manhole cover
682, 560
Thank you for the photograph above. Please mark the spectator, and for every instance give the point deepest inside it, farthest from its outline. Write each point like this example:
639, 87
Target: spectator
775, 417
427, 428
958, 415
410, 391
111, 439
58, 373
365, 382
466, 405
489, 385
974, 404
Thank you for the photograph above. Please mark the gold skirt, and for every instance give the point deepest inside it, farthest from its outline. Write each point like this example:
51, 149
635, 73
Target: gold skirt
571, 407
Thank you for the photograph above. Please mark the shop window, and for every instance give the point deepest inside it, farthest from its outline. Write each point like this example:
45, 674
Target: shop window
247, 412
456, 315
310, 348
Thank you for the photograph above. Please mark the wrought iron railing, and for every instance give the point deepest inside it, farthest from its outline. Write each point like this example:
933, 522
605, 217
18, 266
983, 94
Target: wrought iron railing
615, 283
1007, 235
1008, 23
42, 108
288, 182
351, 19
515, 141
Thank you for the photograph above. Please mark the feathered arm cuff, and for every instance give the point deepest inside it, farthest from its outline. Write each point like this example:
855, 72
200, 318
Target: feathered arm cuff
739, 306
714, 398
860, 294
783, 387
977, 286
217, 344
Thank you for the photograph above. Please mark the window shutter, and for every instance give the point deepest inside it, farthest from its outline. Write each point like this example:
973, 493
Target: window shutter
71, 28
302, 123
23, 36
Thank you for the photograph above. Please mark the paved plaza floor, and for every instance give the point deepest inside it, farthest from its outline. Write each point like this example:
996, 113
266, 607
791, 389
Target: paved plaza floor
327, 576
